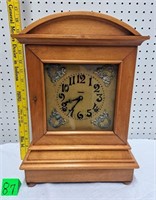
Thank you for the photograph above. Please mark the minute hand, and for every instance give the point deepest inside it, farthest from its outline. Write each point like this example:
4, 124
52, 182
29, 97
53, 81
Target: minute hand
70, 113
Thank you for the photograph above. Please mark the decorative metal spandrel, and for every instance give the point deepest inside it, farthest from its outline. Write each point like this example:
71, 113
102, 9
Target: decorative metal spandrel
106, 73
103, 121
55, 71
56, 120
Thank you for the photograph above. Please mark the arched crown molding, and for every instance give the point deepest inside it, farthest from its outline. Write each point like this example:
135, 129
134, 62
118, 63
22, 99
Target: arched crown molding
80, 28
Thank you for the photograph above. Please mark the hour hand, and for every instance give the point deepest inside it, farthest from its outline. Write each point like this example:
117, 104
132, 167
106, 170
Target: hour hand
77, 99
71, 100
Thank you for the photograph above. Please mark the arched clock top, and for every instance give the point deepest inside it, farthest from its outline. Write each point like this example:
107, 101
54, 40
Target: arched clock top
69, 23
80, 28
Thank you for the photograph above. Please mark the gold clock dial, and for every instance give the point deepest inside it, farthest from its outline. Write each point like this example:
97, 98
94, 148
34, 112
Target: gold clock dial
80, 97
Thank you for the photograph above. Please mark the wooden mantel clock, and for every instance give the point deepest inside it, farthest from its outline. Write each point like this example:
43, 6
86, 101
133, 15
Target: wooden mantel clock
80, 69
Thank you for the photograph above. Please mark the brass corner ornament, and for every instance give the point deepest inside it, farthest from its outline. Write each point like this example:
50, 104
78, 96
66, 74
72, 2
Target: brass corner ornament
106, 73
55, 119
103, 121
55, 71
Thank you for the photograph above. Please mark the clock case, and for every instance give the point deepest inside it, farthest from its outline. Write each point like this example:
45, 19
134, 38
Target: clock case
79, 156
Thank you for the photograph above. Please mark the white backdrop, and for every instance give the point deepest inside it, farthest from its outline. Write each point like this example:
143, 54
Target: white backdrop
140, 14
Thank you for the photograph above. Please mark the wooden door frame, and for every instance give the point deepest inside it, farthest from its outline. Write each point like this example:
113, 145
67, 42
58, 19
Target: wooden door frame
36, 55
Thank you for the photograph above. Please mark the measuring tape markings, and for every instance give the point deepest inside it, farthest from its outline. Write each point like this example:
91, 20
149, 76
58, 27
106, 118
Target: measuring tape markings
19, 70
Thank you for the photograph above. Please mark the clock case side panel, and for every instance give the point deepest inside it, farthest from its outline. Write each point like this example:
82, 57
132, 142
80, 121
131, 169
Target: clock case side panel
36, 94
124, 95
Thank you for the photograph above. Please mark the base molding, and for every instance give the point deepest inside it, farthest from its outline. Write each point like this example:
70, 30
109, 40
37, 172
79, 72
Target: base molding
102, 175
92, 163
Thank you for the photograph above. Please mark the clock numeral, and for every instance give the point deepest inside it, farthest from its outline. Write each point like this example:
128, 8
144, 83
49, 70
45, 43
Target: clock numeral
70, 113
99, 99
95, 108
90, 81
65, 87
64, 107
96, 87
61, 96
72, 80
79, 115
89, 113
81, 78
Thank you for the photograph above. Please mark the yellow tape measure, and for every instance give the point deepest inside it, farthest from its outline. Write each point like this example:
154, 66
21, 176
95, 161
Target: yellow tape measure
19, 69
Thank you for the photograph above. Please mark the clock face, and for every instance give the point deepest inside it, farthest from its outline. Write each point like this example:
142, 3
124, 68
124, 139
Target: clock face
80, 97
74, 93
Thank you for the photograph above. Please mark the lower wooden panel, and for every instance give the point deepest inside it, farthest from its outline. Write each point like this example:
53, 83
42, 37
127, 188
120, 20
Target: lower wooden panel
79, 163
104, 175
